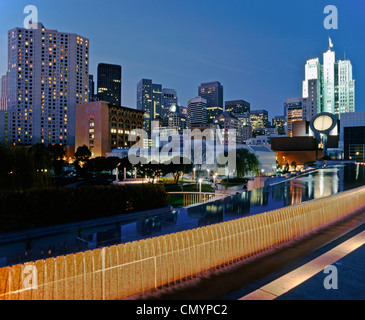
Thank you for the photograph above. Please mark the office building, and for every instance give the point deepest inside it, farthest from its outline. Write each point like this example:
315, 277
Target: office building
175, 121
110, 83
149, 100
293, 112
346, 88
259, 119
212, 92
91, 89
169, 102
279, 123
48, 75
103, 127
237, 107
184, 111
329, 87
312, 104
229, 128
197, 112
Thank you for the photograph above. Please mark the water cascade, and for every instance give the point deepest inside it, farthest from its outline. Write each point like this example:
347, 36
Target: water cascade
122, 271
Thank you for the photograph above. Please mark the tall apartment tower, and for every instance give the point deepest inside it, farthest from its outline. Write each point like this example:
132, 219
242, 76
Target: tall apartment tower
110, 83
149, 100
4, 93
213, 93
197, 112
47, 77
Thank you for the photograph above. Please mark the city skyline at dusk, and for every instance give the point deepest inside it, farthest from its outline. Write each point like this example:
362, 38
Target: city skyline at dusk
170, 150
257, 51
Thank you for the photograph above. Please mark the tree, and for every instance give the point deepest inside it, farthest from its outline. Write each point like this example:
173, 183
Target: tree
286, 170
83, 154
178, 166
294, 165
57, 154
23, 168
152, 170
246, 163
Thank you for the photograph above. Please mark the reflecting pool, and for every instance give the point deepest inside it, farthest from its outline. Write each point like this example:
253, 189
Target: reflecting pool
309, 186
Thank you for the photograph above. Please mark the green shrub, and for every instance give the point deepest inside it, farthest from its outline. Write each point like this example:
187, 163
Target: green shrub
40, 208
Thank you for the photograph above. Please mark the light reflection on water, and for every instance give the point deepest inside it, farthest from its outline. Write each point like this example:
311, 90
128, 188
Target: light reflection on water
318, 184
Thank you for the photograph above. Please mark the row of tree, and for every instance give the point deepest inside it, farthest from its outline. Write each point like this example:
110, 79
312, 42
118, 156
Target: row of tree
86, 166
23, 168
246, 163
35, 167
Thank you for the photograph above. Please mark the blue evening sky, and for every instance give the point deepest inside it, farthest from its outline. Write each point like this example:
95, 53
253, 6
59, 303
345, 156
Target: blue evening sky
256, 49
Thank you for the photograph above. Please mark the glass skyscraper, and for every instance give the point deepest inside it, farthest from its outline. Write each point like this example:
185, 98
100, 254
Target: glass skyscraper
110, 83
213, 93
238, 107
169, 102
149, 100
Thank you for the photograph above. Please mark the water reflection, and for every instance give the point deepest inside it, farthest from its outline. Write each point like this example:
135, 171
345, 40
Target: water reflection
310, 186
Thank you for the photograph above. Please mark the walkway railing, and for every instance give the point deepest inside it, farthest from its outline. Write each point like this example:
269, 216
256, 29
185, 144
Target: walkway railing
185, 199
125, 270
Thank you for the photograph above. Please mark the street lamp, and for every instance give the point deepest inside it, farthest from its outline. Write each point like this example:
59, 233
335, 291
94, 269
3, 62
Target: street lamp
194, 170
200, 189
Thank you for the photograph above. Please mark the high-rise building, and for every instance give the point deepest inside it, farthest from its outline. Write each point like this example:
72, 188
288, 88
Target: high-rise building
294, 112
3, 126
48, 74
237, 107
259, 119
346, 88
329, 61
4, 93
312, 89
91, 88
329, 87
110, 83
169, 102
312, 104
149, 100
197, 112
175, 121
213, 93
279, 123
184, 111
228, 123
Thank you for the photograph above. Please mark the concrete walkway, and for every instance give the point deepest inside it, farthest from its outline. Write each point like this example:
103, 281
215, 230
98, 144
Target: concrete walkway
343, 280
